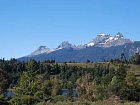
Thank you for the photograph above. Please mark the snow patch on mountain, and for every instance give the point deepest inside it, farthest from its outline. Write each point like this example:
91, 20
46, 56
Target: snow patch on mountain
107, 40
102, 40
91, 44
40, 50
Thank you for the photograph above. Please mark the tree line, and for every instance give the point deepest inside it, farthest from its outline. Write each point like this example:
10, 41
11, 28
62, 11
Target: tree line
34, 82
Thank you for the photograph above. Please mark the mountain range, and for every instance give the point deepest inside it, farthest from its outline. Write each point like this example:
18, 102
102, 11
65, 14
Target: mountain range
102, 47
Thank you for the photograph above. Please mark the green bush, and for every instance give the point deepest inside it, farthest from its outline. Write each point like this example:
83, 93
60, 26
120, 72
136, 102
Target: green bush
58, 98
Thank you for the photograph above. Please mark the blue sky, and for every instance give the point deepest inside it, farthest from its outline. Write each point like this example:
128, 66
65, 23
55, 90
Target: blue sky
27, 24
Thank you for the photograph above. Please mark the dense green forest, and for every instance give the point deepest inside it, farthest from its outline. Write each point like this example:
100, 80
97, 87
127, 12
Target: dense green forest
40, 83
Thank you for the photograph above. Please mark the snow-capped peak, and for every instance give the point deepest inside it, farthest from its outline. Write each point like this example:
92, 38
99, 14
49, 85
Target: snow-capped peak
102, 40
111, 38
120, 35
107, 40
91, 44
102, 34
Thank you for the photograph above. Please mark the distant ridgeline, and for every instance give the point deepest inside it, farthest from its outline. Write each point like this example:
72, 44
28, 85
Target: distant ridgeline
102, 48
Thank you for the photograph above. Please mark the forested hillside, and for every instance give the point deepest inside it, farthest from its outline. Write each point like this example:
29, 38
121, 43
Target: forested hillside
41, 83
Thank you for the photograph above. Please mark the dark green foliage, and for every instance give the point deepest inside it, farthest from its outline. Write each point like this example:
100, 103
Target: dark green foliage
69, 93
88, 61
58, 98
3, 81
34, 82
2, 102
121, 72
136, 59
32, 66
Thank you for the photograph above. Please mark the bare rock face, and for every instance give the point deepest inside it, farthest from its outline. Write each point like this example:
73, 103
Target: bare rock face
65, 44
40, 50
107, 40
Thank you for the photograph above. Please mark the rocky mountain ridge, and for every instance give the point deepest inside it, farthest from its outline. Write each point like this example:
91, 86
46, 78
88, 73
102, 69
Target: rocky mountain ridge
101, 40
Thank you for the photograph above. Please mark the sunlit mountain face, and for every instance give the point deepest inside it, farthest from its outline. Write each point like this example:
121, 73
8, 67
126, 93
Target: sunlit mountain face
102, 47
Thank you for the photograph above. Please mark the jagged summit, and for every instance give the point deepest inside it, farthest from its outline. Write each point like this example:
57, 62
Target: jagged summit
40, 50
107, 40
42, 47
101, 40
103, 35
65, 44
119, 35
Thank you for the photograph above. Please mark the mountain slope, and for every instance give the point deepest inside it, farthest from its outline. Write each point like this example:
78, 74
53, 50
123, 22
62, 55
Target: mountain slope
102, 40
40, 50
102, 47
94, 53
